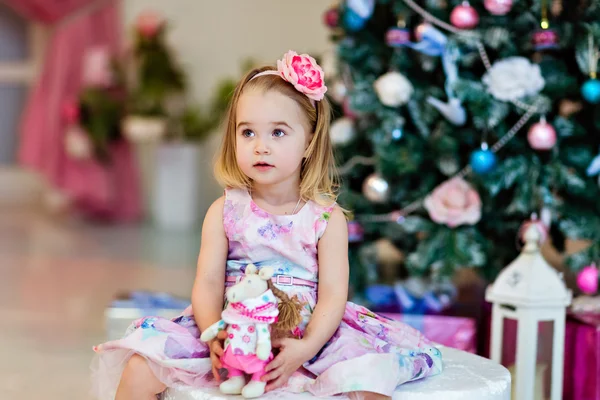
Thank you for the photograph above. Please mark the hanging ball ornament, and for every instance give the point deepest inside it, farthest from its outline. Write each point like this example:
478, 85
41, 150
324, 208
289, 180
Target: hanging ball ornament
464, 16
591, 91
483, 160
376, 189
352, 21
331, 17
339, 91
541, 136
342, 131
587, 279
498, 7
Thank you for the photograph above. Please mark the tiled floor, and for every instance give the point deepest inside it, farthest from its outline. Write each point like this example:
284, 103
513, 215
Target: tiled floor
56, 277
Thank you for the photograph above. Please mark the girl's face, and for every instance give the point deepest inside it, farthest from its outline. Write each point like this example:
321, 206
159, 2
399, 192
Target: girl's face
272, 135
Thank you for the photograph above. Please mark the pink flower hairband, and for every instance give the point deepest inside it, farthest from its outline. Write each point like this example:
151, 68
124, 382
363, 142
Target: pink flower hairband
302, 71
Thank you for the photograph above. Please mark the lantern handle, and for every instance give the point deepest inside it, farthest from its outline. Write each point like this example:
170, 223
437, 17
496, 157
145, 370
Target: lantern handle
532, 238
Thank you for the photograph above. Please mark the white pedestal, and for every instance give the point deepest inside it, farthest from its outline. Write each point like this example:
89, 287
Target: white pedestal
465, 377
176, 186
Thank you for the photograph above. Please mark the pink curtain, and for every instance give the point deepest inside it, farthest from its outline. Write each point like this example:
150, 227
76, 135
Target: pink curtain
107, 192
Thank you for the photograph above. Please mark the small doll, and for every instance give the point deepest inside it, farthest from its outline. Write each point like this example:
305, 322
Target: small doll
254, 308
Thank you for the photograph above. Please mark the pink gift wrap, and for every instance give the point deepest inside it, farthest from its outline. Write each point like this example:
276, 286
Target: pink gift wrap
582, 358
456, 332
581, 374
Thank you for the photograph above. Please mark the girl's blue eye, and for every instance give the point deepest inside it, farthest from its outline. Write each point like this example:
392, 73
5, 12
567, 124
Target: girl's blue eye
247, 133
278, 133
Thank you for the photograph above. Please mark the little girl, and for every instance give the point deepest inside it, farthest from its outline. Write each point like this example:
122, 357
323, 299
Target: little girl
278, 210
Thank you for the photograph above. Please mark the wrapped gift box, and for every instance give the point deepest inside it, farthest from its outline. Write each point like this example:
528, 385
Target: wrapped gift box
582, 357
134, 305
456, 332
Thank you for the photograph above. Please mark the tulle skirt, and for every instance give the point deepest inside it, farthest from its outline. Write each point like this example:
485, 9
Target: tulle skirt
368, 352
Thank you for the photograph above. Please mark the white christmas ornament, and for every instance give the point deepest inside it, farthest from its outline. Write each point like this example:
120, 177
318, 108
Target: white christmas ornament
338, 91
393, 89
77, 144
342, 131
513, 78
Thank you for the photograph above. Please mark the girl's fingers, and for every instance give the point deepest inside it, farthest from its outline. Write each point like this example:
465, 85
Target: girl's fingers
279, 382
273, 375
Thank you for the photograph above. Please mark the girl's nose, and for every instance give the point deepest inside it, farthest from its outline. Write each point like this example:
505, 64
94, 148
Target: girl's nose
261, 148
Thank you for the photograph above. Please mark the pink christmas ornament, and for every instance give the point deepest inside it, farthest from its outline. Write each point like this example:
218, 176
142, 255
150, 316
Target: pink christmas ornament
331, 17
541, 136
395, 36
541, 226
348, 111
545, 39
464, 16
587, 279
498, 7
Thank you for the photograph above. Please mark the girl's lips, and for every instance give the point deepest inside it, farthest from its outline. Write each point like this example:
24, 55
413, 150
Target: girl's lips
263, 167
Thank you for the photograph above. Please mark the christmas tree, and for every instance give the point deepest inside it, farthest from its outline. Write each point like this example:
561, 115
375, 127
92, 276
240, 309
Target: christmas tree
456, 122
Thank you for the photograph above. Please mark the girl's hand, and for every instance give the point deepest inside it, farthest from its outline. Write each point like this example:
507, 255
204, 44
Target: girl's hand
292, 354
216, 351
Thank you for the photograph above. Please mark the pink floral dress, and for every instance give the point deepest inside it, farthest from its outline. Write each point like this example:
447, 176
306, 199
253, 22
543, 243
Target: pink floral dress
368, 352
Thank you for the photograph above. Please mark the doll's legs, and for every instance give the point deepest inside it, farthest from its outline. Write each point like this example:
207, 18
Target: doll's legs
257, 375
235, 381
138, 382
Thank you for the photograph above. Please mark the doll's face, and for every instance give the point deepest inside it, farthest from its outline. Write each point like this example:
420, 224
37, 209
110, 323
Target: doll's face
252, 285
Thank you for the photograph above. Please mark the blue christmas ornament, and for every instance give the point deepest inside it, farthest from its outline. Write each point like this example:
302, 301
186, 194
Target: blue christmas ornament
397, 133
483, 160
352, 21
591, 91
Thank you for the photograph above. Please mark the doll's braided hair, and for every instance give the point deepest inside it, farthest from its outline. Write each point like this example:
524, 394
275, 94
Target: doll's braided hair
289, 311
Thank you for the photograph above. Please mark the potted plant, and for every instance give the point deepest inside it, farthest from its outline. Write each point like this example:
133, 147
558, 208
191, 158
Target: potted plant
180, 178
155, 81
93, 119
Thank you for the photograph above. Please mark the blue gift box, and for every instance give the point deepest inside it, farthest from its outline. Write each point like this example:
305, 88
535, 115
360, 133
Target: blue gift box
127, 308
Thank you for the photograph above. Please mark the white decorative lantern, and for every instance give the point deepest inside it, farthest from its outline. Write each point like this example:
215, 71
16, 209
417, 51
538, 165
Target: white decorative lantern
529, 290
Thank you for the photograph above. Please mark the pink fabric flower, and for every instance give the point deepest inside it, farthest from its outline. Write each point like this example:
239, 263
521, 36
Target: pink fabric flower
454, 203
236, 327
304, 73
149, 23
246, 339
251, 329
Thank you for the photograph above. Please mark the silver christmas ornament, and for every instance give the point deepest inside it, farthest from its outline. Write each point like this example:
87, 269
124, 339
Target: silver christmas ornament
376, 189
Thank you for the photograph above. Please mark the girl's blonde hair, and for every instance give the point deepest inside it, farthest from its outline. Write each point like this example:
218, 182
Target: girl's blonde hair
318, 177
